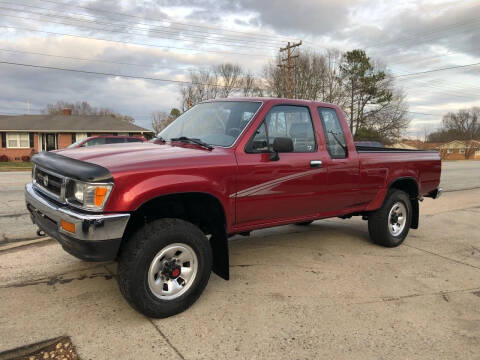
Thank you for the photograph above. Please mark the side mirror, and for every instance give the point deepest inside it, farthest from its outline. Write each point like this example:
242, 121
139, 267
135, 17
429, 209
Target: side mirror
281, 145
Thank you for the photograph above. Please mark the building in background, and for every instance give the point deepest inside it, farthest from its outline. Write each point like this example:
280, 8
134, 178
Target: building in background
460, 150
24, 135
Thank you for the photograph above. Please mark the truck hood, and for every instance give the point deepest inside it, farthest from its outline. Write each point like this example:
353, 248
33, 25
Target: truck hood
120, 158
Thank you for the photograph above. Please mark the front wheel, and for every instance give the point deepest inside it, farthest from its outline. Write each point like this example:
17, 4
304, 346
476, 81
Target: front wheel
164, 267
389, 225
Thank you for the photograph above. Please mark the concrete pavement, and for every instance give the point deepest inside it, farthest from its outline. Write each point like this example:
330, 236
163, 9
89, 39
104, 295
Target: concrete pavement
323, 291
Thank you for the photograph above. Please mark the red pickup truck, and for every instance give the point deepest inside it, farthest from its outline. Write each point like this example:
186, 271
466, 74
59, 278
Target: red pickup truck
166, 208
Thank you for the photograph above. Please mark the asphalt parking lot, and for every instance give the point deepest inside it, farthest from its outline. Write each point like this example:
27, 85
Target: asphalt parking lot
323, 291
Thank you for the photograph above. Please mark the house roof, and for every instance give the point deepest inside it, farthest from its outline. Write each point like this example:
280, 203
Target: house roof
460, 144
67, 123
403, 145
432, 145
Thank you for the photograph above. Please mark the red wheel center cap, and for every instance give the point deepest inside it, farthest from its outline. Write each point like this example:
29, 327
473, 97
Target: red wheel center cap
175, 272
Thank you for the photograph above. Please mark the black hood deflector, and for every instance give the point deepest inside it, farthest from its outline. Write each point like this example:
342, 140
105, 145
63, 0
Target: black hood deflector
72, 168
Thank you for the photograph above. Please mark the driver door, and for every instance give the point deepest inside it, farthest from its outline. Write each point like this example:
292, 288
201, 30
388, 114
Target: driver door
274, 190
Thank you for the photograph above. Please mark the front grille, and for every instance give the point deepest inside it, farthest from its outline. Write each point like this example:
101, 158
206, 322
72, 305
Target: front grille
48, 181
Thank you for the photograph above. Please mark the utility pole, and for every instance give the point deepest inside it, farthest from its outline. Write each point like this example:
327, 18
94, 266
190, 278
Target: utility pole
287, 64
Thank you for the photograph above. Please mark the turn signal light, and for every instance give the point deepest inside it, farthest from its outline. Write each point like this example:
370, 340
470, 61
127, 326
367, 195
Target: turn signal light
100, 193
67, 226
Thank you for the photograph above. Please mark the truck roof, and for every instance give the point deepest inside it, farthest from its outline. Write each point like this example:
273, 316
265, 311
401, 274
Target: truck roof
266, 100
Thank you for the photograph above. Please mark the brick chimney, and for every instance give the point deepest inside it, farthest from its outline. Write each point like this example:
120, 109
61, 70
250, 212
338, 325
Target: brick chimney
67, 111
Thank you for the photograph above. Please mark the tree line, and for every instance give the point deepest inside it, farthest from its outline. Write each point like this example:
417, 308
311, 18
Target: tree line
84, 108
461, 125
374, 106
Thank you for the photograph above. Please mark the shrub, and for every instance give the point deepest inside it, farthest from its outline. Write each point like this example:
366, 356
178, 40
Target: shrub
3, 158
25, 158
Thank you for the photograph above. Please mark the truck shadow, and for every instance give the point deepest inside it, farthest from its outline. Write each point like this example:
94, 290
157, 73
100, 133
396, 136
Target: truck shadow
321, 232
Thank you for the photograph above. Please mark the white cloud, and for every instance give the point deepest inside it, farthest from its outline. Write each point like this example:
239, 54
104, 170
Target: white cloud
408, 36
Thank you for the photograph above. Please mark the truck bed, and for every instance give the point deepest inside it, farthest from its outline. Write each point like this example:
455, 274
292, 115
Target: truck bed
363, 149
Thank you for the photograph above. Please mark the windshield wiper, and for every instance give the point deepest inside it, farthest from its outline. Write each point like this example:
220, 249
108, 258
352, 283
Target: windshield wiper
193, 141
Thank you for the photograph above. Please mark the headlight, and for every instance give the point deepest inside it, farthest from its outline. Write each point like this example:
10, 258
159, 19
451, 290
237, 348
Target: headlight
88, 196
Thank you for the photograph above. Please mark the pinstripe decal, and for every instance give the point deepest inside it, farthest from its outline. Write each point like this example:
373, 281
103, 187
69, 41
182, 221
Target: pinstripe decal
265, 187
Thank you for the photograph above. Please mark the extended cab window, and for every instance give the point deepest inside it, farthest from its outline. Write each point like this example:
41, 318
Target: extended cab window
334, 135
294, 122
134, 140
94, 142
114, 140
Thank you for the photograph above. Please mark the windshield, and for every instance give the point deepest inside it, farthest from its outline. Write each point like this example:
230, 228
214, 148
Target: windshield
215, 123
75, 144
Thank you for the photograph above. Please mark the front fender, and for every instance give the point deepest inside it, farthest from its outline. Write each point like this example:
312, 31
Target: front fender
130, 192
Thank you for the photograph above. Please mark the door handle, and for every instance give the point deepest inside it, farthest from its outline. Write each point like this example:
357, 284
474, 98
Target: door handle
316, 163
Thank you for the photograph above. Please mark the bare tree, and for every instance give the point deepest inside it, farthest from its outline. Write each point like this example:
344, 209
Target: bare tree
389, 120
465, 123
250, 85
461, 125
332, 91
229, 76
222, 80
160, 119
84, 108
471, 147
202, 86
351, 80
275, 79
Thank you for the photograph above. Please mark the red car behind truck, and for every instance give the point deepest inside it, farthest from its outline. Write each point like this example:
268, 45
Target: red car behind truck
165, 209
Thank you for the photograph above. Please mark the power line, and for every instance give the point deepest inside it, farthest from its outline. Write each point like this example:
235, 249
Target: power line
438, 29
435, 70
111, 74
421, 113
242, 38
130, 42
115, 31
162, 20
82, 59
175, 35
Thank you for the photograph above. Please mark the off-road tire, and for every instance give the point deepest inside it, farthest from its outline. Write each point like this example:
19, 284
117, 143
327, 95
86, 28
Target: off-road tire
378, 221
137, 254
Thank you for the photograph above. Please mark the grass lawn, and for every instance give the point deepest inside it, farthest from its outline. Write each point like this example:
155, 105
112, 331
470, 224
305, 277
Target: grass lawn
15, 166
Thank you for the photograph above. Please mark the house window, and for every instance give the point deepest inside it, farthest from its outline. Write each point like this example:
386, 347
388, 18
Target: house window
80, 136
462, 151
450, 151
18, 141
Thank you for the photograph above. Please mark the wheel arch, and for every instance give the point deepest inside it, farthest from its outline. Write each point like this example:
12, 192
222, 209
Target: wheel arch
199, 208
410, 186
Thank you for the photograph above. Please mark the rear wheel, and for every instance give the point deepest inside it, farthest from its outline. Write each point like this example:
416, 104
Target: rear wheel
389, 225
164, 267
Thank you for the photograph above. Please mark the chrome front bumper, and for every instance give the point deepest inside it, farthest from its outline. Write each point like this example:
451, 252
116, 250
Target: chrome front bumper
96, 236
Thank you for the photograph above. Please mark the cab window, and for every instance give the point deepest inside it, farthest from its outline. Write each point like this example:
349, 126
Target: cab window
94, 142
334, 135
115, 140
290, 121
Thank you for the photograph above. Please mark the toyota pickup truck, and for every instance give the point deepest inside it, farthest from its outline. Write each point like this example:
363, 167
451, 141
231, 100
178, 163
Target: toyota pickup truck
165, 209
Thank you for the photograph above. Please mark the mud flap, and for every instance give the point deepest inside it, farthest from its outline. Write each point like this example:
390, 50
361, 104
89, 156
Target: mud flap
221, 262
415, 214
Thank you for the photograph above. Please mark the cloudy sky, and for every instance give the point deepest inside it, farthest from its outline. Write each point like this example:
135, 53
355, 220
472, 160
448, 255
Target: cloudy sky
166, 39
